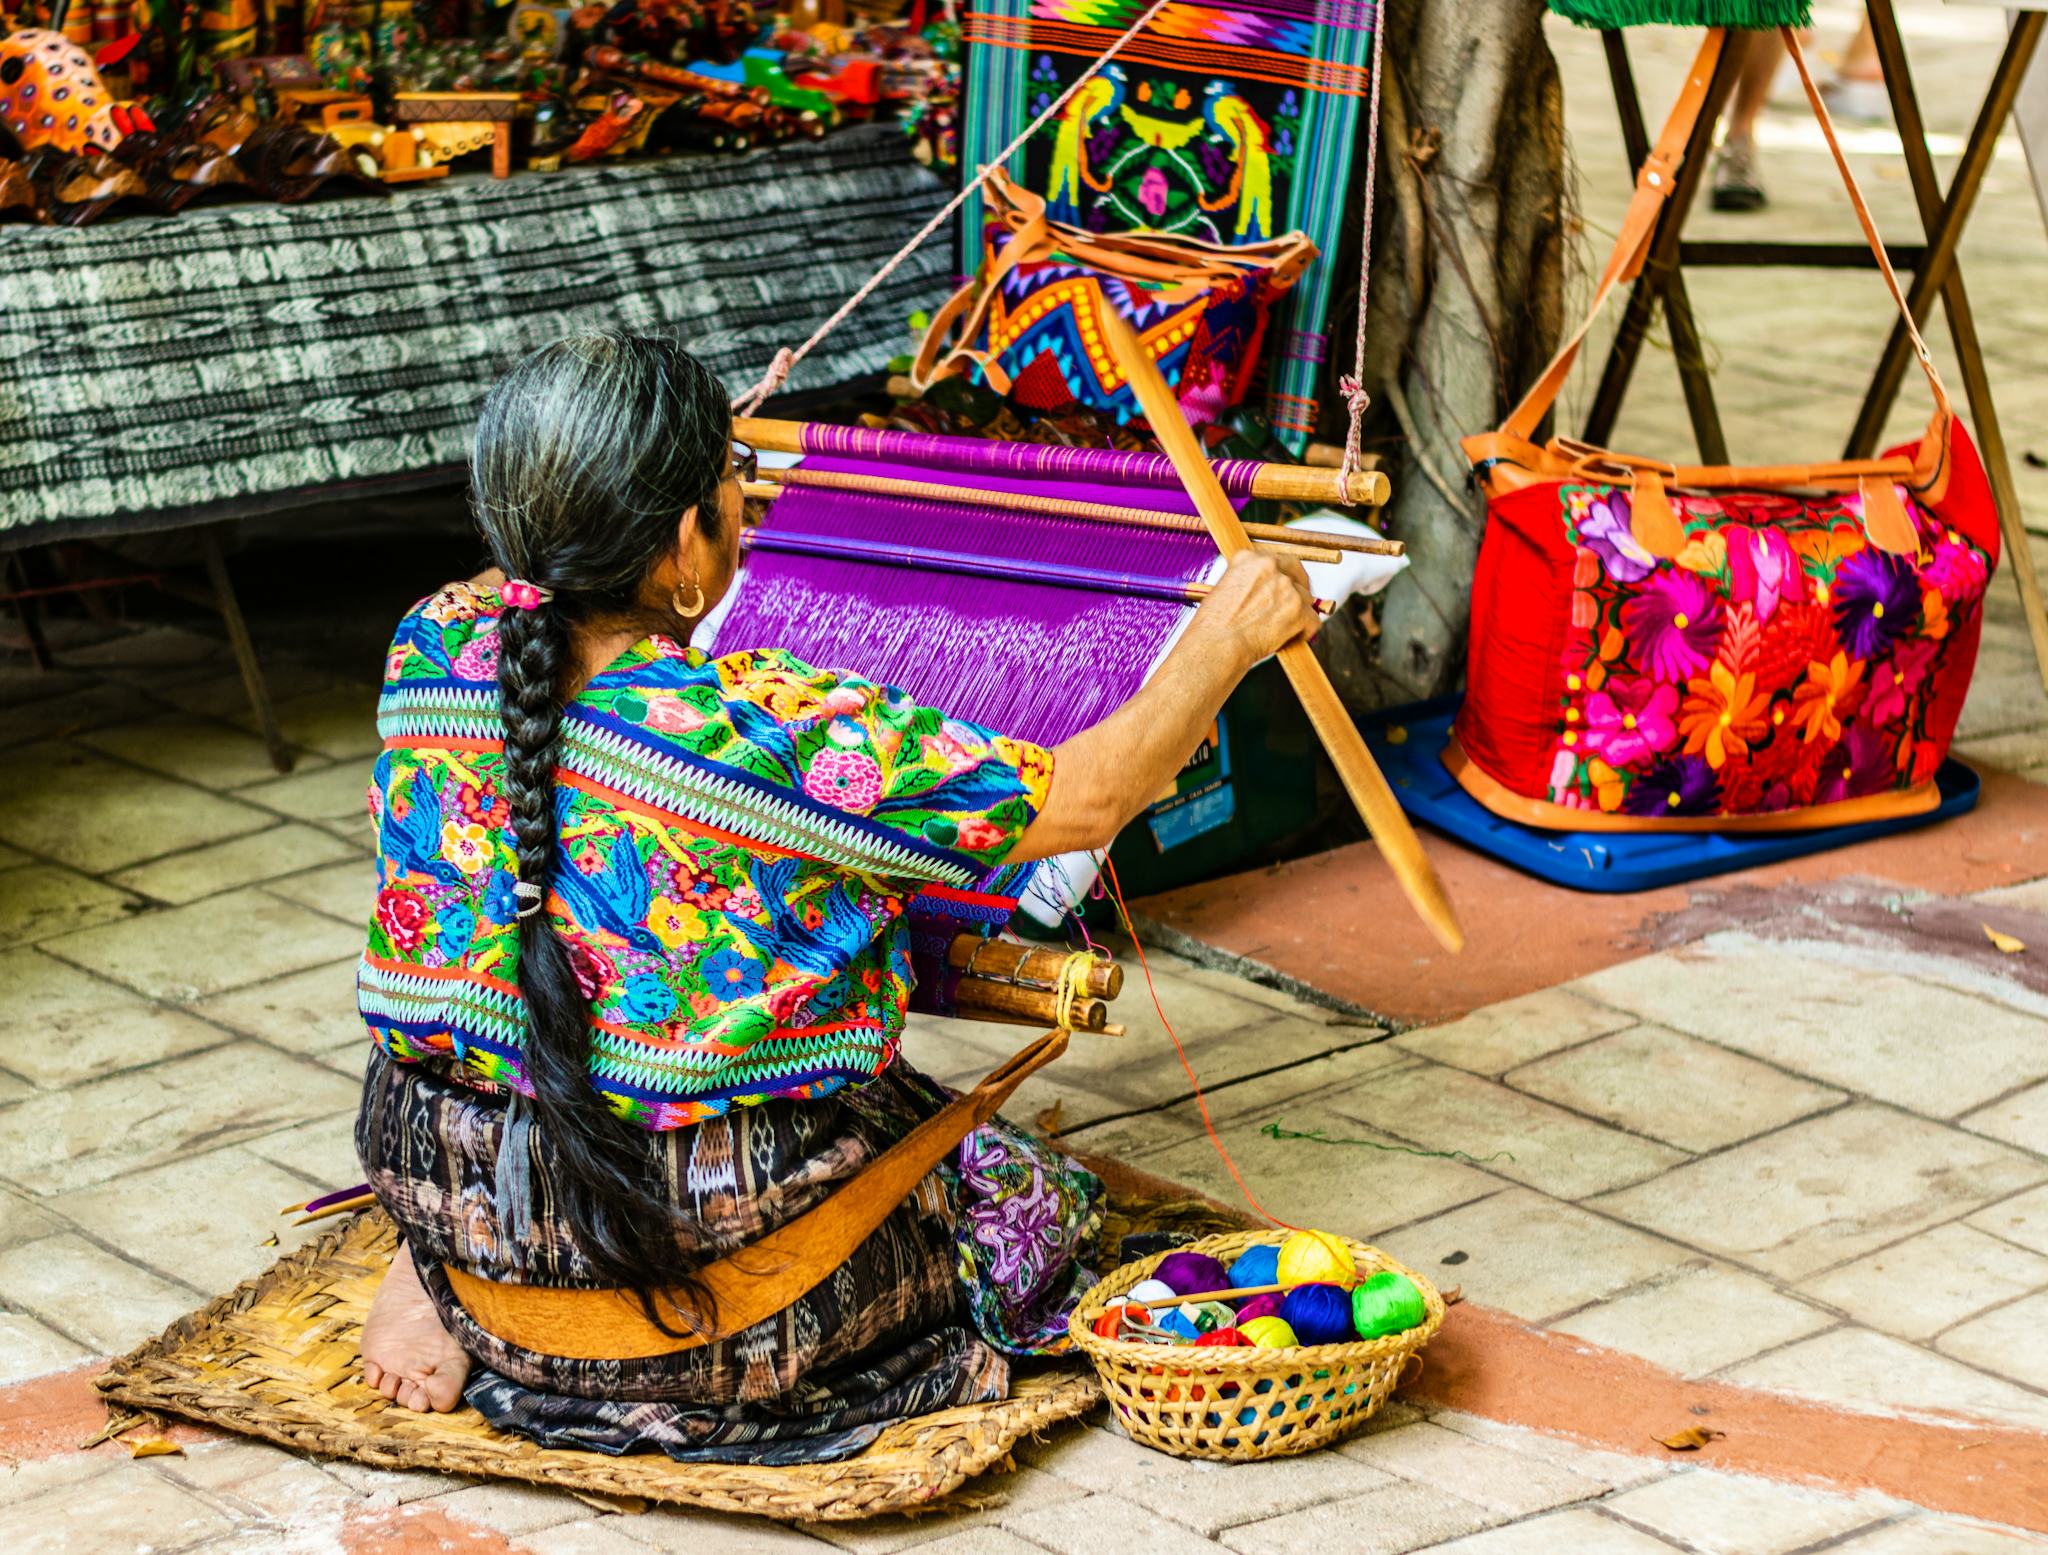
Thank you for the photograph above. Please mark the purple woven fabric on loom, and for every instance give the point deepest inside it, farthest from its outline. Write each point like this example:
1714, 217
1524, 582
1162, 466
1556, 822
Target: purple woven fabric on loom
1025, 659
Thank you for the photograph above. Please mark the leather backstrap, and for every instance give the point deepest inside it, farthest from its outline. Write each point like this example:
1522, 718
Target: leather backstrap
1927, 472
760, 1279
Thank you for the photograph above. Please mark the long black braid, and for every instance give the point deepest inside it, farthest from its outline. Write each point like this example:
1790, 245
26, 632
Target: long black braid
587, 455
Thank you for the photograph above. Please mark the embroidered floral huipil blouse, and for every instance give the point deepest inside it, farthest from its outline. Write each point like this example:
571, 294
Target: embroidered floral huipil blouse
739, 840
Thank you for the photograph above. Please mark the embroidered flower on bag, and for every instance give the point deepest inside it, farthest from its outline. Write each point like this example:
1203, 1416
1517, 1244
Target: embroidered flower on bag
1673, 626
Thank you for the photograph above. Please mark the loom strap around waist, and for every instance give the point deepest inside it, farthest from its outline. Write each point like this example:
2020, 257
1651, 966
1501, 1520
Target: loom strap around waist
760, 1279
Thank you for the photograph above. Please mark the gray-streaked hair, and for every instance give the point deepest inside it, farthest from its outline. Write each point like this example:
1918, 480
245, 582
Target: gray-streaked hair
587, 455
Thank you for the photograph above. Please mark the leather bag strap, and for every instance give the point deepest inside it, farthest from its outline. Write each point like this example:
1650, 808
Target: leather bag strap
762, 1278
1180, 268
1654, 185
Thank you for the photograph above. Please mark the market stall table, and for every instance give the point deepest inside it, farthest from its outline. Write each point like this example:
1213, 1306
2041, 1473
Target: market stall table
163, 372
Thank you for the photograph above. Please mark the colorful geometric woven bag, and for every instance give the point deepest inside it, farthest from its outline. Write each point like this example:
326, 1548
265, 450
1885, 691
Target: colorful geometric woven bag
1029, 323
1665, 647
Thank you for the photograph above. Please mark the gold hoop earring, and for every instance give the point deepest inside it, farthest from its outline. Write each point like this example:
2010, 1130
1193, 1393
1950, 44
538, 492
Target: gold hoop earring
691, 608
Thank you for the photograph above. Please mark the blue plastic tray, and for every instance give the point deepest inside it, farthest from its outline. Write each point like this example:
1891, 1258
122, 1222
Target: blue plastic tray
1604, 861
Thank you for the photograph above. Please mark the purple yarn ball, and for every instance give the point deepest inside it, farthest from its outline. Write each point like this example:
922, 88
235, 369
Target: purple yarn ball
1190, 1273
1318, 1314
1257, 1306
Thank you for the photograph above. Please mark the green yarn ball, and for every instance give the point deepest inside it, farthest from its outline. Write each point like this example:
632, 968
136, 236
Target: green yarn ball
1387, 1303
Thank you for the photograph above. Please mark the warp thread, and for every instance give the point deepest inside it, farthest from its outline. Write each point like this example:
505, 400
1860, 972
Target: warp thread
1316, 1136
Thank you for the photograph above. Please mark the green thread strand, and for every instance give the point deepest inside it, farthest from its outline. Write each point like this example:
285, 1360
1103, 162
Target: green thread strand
1316, 1136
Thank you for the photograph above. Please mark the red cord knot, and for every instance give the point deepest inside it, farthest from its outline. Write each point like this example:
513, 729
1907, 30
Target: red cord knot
1355, 402
773, 379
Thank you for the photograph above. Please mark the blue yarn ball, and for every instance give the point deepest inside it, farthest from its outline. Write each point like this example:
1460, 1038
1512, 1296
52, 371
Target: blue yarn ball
1319, 1314
1258, 1265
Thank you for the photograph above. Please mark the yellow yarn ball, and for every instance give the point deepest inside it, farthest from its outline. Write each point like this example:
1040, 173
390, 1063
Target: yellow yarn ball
1317, 1258
1269, 1333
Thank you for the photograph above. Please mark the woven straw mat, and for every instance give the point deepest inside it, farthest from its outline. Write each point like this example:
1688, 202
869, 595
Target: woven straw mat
277, 1358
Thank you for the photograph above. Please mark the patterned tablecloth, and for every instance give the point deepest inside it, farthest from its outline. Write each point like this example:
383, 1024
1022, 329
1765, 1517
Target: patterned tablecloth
157, 371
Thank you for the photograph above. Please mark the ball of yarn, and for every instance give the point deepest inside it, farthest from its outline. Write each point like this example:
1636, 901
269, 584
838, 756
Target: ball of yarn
1258, 1265
1267, 1305
1211, 1315
1223, 1338
1149, 1291
1387, 1303
1111, 1323
1179, 1322
1269, 1333
1316, 1258
1318, 1314
1188, 1273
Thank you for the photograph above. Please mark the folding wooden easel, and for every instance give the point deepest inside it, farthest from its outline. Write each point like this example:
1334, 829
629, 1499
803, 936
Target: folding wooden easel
1932, 262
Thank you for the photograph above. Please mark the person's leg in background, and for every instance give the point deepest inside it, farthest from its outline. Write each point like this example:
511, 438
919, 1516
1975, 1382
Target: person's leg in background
1737, 185
1857, 92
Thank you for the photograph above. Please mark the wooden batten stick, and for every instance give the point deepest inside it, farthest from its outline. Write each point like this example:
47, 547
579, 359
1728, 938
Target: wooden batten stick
1277, 482
1011, 962
1306, 544
1362, 777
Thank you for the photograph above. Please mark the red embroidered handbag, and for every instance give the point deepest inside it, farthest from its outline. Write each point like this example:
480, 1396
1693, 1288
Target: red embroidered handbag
1660, 646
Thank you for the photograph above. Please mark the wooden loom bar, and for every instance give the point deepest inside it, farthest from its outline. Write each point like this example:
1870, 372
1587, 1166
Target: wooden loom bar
1307, 544
1361, 775
1020, 1004
1273, 482
1015, 963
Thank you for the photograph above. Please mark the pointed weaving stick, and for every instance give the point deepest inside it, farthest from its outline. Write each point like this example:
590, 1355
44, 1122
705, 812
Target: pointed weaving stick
1363, 780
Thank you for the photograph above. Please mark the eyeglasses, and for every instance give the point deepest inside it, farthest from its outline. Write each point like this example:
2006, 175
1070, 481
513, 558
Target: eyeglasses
746, 464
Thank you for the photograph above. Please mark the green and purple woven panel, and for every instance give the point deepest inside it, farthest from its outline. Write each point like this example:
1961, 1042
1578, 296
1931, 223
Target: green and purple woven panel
1226, 124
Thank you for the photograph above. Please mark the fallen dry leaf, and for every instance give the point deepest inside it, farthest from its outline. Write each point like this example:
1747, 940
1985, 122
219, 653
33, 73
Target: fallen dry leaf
1692, 1438
154, 1447
269, 1241
2004, 942
1053, 1118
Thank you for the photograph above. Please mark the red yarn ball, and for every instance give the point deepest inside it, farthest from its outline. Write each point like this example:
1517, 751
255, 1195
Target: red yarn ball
1223, 1338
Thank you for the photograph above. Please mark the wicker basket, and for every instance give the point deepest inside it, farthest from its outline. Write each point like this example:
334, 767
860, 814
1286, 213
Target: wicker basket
1192, 1403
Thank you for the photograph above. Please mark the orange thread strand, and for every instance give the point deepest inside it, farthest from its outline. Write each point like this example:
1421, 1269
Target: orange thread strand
1201, 1101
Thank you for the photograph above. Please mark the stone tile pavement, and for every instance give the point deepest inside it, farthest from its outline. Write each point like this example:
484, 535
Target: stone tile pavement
1752, 1157
1764, 1155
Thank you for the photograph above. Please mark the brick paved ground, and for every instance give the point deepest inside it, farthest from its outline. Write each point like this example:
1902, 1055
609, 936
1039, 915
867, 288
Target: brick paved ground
1770, 1153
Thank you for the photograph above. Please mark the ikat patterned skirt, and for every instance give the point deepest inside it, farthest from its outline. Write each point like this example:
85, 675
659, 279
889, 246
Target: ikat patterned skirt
982, 1264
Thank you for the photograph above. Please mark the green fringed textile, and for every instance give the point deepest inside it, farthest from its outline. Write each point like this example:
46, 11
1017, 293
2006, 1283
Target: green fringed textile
1686, 13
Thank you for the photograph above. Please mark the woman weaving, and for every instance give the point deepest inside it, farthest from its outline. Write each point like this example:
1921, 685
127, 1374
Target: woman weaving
639, 966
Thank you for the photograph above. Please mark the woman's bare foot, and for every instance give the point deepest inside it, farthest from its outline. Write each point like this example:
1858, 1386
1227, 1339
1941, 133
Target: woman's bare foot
407, 1355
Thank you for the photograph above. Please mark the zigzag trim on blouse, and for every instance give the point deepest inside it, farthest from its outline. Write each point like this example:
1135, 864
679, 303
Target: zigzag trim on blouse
709, 792
476, 1016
